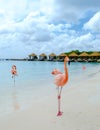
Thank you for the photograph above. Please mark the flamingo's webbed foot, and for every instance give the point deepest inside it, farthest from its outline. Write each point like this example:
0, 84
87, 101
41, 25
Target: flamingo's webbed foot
59, 113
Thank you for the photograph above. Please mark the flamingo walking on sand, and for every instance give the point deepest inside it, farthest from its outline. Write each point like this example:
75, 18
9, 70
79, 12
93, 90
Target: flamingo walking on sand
60, 80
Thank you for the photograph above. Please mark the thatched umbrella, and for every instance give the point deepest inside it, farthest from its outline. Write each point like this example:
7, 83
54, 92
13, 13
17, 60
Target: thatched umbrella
42, 57
73, 56
95, 56
84, 56
33, 56
52, 56
61, 56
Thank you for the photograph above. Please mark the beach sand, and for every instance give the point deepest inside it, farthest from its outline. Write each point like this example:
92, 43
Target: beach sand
80, 105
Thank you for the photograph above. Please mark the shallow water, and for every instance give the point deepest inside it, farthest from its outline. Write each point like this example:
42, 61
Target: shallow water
35, 82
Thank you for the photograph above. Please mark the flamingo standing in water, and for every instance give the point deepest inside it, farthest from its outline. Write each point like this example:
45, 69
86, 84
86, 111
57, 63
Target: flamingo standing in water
60, 80
14, 72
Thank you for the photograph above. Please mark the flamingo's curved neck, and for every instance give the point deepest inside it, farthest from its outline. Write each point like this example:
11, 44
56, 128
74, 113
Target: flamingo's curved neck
65, 69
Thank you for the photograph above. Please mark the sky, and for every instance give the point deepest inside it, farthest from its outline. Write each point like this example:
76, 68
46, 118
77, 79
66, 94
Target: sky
48, 26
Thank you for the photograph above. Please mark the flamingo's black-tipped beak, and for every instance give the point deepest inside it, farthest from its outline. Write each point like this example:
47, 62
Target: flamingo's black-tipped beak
52, 72
69, 62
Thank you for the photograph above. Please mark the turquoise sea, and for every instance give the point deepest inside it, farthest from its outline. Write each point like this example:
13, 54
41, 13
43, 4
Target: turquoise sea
35, 82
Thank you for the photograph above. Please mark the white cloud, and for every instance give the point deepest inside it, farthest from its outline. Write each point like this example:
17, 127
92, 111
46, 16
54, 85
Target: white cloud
46, 26
94, 23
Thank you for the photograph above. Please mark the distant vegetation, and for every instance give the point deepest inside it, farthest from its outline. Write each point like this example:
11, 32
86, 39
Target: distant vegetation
79, 52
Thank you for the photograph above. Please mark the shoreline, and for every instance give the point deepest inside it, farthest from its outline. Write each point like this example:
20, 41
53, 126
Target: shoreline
62, 60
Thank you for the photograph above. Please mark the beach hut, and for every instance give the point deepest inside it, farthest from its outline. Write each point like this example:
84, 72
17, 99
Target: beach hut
73, 56
95, 56
33, 56
42, 57
83, 56
61, 57
52, 57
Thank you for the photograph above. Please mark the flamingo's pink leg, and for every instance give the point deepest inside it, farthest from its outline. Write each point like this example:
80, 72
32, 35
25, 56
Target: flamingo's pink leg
59, 97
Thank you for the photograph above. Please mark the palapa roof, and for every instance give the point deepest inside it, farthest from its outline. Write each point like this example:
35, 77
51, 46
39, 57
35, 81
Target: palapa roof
95, 54
52, 54
73, 54
83, 54
62, 54
42, 55
33, 54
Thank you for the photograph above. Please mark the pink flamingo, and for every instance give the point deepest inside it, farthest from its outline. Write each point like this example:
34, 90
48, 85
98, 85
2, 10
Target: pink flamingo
14, 72
60, 80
